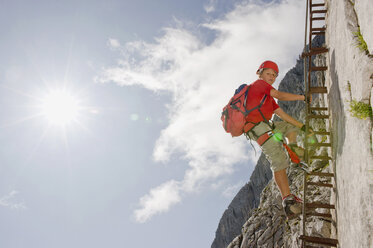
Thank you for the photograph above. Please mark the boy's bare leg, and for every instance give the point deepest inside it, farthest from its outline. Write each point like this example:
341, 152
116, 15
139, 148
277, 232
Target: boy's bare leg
282, 182
281, 177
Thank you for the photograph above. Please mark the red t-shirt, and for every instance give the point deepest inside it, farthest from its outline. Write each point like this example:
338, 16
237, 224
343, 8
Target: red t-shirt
256, 93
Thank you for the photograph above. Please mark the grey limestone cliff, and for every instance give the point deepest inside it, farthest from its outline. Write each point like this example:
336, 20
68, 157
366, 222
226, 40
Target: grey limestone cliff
350, 77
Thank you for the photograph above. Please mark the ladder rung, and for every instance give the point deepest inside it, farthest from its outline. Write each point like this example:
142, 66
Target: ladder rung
317, 5
319, 214
317, 18
318, 109
318, 29
318, 90
319, 68
321, 133
319, 49
321, 157
318, 240
319, 11
321, 174
320, 144
318, 33
317, 116
315, 50
319, 205
328, 185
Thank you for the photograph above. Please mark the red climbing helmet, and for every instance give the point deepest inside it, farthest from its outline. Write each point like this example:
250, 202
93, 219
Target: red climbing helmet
268, 64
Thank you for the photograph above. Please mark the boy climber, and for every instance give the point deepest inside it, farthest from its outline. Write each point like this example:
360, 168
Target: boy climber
260, 129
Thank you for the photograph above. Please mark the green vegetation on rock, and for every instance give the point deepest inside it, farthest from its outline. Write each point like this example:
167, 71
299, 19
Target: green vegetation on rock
360, 110
361, 42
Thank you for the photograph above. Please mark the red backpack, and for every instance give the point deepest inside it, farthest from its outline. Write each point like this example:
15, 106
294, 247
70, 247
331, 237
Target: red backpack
234, 113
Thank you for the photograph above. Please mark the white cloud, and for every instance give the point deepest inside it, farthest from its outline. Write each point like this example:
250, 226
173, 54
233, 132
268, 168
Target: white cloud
113, 43
159, 200
8, 201
210, 6
201, 79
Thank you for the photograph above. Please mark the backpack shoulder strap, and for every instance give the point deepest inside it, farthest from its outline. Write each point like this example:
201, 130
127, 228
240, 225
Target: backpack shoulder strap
240, 89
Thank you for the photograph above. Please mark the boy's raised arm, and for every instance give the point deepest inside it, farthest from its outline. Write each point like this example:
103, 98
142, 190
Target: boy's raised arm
285, 96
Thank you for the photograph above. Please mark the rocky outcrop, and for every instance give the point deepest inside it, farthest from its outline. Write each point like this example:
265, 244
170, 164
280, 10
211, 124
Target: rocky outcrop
267, 227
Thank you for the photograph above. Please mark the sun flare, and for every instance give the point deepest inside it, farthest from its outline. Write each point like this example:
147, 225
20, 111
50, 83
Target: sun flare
60, 107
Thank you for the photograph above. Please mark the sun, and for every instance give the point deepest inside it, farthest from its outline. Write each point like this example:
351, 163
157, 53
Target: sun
60, 107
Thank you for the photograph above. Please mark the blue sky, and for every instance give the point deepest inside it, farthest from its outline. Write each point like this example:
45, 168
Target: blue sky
145, 161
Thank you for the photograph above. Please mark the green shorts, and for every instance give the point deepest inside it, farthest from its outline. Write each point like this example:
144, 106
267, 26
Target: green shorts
273, 148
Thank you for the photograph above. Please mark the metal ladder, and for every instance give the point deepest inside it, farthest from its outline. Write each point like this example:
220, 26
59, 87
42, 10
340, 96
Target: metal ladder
316, 12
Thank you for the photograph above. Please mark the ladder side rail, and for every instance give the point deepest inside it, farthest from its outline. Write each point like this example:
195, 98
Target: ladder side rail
306, 89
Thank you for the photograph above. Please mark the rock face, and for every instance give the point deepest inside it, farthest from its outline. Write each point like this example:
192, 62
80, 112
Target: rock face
364, 10
350, 77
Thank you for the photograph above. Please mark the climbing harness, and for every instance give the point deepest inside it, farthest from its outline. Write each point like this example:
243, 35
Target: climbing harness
264, 137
